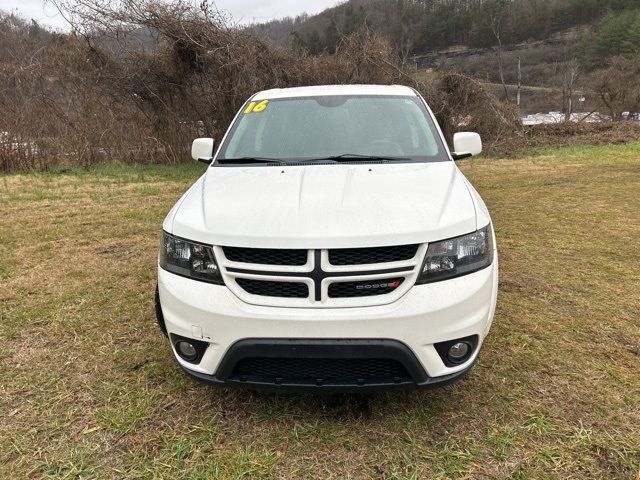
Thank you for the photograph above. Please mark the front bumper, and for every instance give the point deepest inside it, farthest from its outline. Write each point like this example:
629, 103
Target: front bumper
425, 315
429, 382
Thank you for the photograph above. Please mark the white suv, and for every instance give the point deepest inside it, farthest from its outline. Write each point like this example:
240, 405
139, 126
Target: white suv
332, 244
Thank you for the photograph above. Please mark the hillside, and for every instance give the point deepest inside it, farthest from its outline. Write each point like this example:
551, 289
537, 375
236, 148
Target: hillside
421, 26
543, 65
555, 45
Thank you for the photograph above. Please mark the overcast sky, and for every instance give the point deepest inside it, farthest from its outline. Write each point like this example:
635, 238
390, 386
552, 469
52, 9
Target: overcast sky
242, 11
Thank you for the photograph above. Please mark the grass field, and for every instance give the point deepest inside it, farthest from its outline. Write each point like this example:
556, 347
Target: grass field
88, 387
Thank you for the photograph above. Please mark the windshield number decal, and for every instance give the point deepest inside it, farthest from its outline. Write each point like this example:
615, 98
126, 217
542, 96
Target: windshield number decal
257, 107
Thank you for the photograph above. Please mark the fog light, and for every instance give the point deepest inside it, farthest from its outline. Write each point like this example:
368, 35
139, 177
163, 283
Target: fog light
187, 350
458, 352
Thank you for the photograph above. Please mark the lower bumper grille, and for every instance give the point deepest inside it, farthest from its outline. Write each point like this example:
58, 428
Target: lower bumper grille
320, 371
319, 364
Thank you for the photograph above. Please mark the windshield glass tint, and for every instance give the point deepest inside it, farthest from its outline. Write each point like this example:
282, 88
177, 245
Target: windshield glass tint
319, 127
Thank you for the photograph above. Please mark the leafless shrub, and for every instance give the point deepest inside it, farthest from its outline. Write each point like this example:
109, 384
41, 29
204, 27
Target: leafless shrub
461, 103
568, 133
138, 79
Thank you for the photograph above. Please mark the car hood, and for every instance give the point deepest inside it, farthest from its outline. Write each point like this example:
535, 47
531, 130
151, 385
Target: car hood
326, 206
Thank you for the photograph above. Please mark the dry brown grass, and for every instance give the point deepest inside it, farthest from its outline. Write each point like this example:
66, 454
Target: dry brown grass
89, 388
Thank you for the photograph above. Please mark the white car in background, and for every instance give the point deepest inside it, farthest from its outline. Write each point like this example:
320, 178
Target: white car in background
332, 244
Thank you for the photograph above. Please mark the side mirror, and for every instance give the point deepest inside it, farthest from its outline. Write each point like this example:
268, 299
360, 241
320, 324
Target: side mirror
466, 144
202, 150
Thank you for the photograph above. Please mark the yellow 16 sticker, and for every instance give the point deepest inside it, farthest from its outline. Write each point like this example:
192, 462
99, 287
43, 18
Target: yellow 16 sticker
256, 107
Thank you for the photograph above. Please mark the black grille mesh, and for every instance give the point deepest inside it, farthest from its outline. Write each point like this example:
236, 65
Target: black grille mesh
362, 256
266, 256
339, 256
320, 370
267, 288
364, 288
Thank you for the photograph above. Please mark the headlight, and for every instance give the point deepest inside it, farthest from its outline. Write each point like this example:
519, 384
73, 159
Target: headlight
189, 259
457, 256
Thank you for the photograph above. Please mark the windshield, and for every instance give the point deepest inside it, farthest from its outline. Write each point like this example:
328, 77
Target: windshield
316, 128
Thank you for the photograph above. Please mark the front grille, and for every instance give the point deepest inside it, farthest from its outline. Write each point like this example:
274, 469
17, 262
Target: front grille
363, 256
364, 288
266, 256
268, 288
318, 371
270, 274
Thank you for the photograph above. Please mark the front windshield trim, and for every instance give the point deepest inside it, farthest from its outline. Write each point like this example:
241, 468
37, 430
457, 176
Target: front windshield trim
440, 156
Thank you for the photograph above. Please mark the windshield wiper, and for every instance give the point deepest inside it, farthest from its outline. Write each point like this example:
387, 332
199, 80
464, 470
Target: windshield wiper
350, 157
344, 158
249, 160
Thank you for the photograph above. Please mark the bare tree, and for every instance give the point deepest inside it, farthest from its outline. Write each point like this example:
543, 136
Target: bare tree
519, 89
617, 86
571, 73
497, 15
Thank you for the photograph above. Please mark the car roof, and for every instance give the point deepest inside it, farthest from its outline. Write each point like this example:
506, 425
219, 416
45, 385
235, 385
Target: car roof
328, 90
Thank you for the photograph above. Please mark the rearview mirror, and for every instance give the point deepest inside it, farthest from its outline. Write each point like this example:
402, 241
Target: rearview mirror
465, 145
202, 150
